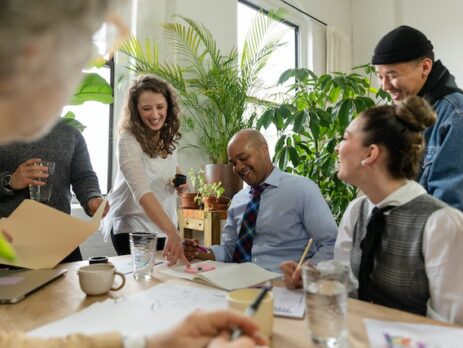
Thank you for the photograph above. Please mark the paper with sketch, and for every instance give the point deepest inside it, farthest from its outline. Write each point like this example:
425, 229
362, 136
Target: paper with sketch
151, 311
43, 236
390, 334
227, 276
288, 302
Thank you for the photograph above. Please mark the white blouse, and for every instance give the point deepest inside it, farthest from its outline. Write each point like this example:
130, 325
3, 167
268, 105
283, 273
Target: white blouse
442, 251
139, 174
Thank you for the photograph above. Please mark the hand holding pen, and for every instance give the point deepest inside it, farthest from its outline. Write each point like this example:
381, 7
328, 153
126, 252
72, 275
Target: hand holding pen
253, 308
193, 250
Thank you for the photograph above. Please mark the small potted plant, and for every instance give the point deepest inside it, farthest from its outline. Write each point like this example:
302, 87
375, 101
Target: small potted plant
189, 198
210, 194
207, 194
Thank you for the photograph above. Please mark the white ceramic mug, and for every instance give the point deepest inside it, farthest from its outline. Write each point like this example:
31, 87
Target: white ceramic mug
243, 298
98, 279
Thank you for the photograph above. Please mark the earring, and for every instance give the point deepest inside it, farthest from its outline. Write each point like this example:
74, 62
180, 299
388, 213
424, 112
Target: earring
362, 163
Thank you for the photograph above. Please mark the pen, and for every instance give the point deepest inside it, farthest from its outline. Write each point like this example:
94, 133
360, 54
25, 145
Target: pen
252, 309
305, 253
203, 249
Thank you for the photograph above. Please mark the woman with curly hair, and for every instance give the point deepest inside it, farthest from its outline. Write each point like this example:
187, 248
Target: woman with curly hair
403, 245
143, 197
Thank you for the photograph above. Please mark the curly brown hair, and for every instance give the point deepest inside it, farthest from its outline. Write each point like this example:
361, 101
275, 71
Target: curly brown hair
399, 129
153, 143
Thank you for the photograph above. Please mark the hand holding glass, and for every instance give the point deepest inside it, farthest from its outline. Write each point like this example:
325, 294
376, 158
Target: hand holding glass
42, 193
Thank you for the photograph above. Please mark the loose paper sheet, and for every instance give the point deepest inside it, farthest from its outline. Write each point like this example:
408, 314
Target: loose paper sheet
288, 303
148, 312
43, 236
388, 334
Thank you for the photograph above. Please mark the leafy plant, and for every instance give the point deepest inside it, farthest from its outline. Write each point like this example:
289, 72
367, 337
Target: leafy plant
311, 121
93, 87
204, 189
215, 88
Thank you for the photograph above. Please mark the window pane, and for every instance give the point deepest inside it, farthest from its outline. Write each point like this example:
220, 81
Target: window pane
96, 116
282, 59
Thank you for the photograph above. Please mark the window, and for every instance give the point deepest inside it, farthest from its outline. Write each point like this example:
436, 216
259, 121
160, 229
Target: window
98, 119
284, 58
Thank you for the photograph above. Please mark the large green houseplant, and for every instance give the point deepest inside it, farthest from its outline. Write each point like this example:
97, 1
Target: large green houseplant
215, 88
311, 122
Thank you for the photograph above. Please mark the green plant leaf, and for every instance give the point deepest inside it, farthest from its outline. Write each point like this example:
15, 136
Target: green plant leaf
93, 88
70, 119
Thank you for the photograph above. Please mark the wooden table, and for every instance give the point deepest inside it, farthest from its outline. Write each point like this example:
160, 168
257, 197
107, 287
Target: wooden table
64, 297
208, 222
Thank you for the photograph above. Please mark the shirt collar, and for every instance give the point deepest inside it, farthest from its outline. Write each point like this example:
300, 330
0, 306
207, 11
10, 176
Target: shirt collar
273, 179
403, 195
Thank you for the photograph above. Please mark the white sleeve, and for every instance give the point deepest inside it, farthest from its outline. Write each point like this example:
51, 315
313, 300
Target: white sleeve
442, 250
343, 244
131, 164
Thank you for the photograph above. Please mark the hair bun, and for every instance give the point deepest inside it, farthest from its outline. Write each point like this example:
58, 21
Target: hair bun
415, 113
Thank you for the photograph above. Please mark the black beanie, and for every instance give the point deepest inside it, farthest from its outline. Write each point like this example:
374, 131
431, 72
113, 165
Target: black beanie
401, 45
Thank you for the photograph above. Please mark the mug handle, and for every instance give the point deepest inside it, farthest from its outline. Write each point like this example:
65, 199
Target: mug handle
123, 281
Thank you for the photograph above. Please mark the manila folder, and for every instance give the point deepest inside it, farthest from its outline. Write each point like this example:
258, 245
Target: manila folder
43, 236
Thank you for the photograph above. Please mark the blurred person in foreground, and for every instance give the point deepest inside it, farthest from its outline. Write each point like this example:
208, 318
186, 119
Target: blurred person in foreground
44, 45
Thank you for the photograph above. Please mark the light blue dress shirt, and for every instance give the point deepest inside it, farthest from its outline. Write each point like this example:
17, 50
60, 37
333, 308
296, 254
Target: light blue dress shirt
292, 210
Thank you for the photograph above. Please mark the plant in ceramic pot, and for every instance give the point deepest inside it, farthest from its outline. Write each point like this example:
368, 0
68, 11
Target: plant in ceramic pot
188, 199
207, 195
216, 89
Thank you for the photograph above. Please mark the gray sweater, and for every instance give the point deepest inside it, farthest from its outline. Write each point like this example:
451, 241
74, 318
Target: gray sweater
65, 146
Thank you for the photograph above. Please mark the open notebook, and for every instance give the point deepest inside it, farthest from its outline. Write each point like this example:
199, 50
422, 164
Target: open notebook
227, 276
43, 236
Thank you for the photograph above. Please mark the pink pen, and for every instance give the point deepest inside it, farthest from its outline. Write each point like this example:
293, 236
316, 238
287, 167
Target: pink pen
203, 249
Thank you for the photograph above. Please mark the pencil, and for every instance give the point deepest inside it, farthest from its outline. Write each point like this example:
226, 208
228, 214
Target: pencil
305, 253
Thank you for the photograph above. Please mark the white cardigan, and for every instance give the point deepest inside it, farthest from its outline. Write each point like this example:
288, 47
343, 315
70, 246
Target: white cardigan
137, 175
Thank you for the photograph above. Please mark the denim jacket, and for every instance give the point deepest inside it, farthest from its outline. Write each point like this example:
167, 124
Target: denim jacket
442, 167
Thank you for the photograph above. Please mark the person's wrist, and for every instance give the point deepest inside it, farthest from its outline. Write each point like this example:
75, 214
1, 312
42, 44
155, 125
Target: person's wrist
8, 181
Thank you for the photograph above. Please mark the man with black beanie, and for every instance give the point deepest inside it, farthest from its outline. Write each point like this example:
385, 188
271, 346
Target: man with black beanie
404, 63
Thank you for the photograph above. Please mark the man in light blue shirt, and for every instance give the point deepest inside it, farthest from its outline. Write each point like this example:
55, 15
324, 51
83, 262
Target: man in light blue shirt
292, 210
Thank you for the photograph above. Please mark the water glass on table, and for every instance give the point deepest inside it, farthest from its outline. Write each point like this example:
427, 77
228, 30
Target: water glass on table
325, 287
143, 250
42, 193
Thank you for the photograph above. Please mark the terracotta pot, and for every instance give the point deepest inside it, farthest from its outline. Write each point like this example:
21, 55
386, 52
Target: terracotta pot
231, 182
188, 200
210, 203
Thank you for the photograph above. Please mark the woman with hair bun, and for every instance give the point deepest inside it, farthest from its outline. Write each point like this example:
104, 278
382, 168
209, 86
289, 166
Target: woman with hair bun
403, 245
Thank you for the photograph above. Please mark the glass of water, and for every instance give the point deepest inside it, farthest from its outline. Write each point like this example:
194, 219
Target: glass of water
143, 250
325, 287
43, 193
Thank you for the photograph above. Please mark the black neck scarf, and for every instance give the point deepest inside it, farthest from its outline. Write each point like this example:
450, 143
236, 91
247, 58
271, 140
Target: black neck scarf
439, 83
369, 245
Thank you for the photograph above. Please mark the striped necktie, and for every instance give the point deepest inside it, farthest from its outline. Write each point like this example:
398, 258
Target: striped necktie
248, 227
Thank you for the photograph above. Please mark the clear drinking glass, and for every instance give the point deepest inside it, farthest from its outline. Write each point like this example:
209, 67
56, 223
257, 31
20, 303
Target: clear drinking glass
326, 291
43, 193
143, 250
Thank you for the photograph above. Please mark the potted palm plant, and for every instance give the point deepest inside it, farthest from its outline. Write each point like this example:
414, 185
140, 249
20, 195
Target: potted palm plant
216, 89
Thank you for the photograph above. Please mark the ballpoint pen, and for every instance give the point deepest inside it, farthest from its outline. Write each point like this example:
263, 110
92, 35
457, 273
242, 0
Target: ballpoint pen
252, 309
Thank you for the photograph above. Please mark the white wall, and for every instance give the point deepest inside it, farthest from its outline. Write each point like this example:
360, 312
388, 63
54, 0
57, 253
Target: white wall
440, 21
